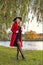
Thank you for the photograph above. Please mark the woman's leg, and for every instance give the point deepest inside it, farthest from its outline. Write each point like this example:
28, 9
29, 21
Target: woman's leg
19, 48
17, 53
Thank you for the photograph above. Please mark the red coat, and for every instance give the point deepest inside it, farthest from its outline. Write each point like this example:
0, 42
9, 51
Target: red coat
14, 35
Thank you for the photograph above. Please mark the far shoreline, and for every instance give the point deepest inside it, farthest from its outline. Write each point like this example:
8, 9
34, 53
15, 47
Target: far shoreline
23, 40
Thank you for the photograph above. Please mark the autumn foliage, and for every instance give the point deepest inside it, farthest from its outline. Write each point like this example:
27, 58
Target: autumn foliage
31, 35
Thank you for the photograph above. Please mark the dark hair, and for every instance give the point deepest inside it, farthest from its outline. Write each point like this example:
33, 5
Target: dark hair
18, 18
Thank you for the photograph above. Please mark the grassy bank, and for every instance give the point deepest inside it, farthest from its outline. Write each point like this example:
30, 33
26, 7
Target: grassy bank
7, 57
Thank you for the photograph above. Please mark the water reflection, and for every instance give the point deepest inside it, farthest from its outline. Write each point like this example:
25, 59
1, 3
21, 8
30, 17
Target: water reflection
27, 45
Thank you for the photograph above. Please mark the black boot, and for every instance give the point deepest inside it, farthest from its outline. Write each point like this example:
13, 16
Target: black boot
23, 57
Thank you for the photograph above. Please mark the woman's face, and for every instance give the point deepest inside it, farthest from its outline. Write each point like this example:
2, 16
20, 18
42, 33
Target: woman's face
18, 20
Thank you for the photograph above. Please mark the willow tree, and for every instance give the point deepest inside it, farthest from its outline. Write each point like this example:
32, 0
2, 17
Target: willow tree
37, 8
12, 8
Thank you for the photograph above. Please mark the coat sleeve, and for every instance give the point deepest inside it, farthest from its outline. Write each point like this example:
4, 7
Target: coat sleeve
14, 28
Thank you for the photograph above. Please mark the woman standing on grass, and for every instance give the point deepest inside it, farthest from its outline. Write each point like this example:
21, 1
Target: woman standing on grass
16, 39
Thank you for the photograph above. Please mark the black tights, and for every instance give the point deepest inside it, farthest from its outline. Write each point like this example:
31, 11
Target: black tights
19, 49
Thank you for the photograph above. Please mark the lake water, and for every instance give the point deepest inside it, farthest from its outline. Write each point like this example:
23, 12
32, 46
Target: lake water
27, 45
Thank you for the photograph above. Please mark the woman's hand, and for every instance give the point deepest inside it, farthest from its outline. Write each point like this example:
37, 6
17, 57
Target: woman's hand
17, 31
20, 24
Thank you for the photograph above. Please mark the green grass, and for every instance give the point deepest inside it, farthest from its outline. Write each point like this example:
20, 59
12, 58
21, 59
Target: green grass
7, 57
